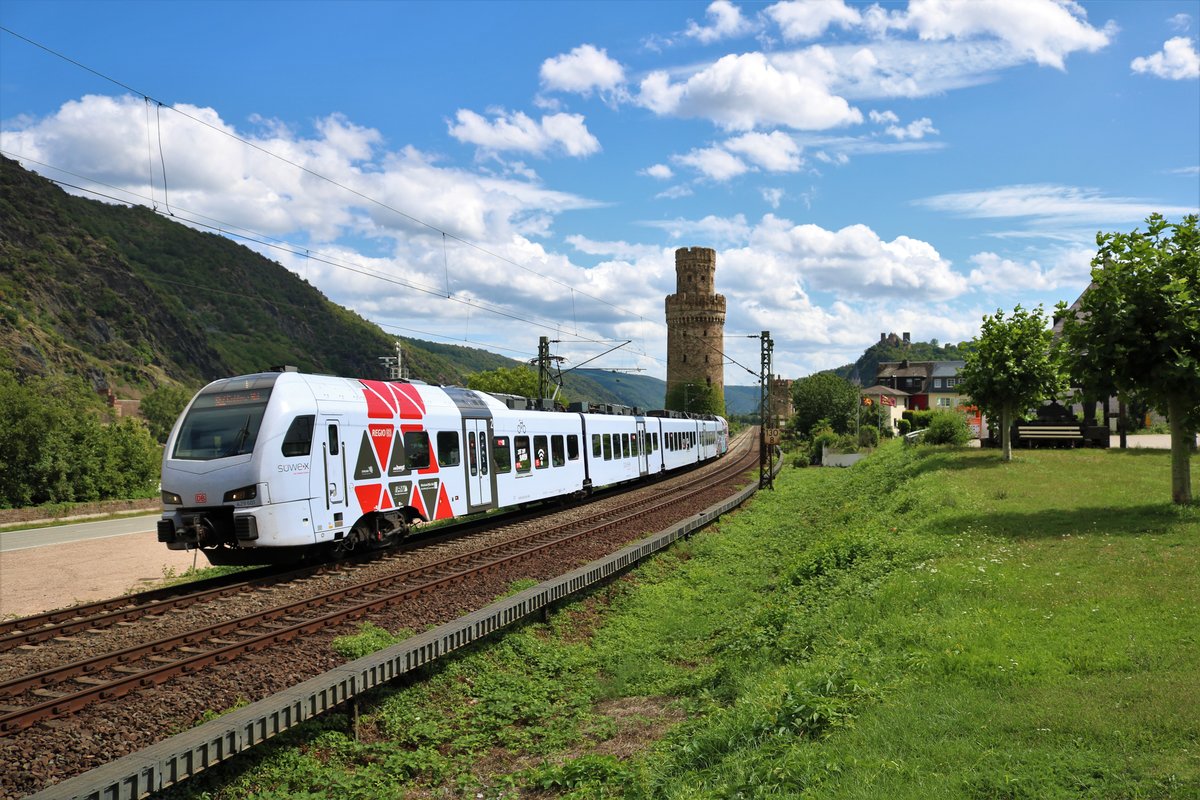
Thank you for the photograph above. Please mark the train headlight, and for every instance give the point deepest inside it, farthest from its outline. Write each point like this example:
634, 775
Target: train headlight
245, 493
171, 499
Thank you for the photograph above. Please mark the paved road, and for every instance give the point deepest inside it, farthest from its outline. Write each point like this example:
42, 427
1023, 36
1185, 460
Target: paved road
25, 538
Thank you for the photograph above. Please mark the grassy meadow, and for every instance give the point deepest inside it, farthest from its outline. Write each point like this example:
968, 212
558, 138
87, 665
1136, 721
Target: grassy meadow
932, 623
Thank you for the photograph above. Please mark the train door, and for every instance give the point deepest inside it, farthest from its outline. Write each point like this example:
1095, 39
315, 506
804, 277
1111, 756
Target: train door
333, 463
642, 447
479, 468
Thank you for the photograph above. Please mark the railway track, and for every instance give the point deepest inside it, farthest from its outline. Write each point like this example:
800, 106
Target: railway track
63, 690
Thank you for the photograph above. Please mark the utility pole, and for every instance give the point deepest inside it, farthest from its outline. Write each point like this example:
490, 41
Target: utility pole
768, 434
393, 366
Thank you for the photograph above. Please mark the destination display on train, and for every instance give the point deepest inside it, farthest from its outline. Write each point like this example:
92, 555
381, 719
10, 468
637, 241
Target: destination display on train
239, 398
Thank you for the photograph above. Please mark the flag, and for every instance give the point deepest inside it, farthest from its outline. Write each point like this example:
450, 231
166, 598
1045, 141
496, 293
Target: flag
885, 400
866, 401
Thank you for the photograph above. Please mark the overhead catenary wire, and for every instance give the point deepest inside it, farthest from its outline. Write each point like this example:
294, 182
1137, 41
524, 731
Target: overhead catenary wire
229, 229
309, 171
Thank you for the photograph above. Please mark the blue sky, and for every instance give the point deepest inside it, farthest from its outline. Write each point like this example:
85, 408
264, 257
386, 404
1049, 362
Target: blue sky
859, 168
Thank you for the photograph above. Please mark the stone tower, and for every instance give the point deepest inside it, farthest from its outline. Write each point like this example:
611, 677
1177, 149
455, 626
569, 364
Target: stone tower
695, 332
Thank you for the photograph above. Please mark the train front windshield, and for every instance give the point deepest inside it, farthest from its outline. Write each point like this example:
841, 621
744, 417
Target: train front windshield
221, 424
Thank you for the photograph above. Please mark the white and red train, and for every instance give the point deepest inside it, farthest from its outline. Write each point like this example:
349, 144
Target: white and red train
280, 465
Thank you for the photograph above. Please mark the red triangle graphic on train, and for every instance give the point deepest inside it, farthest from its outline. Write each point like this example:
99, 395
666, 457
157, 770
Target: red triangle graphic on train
443, 507
415, 501
368, 496
381, 440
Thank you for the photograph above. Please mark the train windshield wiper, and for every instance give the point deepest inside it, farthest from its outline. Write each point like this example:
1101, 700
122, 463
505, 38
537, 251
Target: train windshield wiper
242, 435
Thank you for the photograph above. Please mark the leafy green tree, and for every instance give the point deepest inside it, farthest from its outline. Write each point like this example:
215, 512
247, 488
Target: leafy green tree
521, 381
1013, 368
695, 398
1137, 328
824, 395
162, 407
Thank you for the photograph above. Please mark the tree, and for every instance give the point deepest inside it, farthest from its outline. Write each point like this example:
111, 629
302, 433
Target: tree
162, 407
824, 396
521, 381
1137, 328
695, 398
1013, 368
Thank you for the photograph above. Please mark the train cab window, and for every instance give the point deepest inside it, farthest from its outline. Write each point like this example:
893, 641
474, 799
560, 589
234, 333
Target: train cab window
416, 449
298, 439
541, 454
333, 440
596, 445
608, 447
558, 452
573, 447
524, 461
501, 455
447, 449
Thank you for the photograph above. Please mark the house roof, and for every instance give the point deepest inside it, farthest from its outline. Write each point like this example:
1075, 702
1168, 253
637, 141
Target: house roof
946, 369
880, 389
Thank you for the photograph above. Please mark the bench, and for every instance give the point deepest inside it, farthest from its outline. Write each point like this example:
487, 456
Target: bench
1065, 434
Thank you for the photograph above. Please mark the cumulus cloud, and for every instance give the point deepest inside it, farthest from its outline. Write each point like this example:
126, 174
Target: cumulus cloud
725, 22
808, 19
855, 261
659, 172
744, 92
996, 275
714, 162
1045, 30
583, 69
881, 117
518, 132
1178, 60
917, 129
773, 152
772, 196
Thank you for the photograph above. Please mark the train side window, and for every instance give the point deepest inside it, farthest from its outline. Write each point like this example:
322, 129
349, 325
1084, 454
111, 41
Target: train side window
617, 446
416, 449
573, 447
447, 449
333, 442
472, 459
541, 456
521, 445
653, 442
298, 439
608, 447
501, 455
633, 443
558, 454
596, 445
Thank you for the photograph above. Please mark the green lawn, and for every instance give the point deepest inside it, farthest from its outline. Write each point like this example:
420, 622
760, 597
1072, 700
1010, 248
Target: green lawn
929, 624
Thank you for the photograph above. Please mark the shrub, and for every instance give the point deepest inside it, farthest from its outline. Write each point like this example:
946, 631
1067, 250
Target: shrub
947, 427
903, 426
846, 443
868, 437
823, 437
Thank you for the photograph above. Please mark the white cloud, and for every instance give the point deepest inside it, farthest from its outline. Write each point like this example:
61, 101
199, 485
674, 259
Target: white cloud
773, 197
725, 22
714, 162
744, 92
917, 129
808, 19
1185, 171
659, 171
1002, 276
1049, 204
583, 69
675, 192
1047, 31
774, 152
881, 117
1180, 22
518, 132
855, 261
1177, 61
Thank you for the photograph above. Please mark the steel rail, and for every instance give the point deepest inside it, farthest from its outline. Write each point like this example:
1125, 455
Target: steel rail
492, 557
